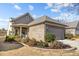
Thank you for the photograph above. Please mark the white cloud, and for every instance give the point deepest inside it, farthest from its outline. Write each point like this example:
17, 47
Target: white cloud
4, 20
55, 10
35, 16
4, 23
59, 5
30, 7
56, 7
67, 17
53, 7
65, 14
17, 7
49, 5
67, 4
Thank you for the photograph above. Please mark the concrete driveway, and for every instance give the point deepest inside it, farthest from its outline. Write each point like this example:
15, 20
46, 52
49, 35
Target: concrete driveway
74, 43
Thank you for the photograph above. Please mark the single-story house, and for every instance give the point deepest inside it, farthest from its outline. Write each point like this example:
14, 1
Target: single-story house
25, 25
72, 27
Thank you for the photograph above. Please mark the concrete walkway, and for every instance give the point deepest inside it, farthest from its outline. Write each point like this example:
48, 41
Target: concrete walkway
71, 42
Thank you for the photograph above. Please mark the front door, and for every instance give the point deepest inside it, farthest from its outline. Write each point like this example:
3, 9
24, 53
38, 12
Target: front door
24, 32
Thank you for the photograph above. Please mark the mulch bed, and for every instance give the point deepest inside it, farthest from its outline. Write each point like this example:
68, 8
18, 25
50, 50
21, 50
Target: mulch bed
55, 45
4, 46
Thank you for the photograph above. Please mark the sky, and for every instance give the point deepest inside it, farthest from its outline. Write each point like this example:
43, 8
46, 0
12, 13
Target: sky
57, 11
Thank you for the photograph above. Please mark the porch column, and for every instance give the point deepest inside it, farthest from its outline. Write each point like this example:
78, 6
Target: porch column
13, 31
20, 31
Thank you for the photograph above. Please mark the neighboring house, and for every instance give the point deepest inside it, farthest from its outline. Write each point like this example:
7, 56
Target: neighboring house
73, 28
25, 25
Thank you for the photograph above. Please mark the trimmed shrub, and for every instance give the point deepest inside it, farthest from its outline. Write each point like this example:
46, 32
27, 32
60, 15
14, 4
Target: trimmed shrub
68, 36
49, 37
10, 38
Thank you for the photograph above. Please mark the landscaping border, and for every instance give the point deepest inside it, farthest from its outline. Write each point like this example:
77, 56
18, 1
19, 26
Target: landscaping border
69, 49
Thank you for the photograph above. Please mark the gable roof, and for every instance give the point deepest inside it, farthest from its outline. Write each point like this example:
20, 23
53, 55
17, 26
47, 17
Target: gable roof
45, 19
41, 19
24, 19
72, 24
21, 16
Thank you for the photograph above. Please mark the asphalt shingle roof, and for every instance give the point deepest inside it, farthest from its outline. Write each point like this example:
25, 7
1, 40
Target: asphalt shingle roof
45, 18
72, 24
23, 19
36, 21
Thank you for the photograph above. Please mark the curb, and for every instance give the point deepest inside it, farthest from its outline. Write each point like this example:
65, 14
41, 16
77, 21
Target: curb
69, 49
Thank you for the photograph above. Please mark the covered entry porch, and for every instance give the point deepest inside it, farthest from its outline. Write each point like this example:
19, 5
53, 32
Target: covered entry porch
20, 30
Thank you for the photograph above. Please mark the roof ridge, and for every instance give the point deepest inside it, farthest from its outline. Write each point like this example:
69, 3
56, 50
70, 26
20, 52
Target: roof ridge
45, 17
22, 15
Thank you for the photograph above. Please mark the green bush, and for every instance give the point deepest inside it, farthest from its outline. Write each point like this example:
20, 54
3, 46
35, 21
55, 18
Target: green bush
49, 37
10, 38
68, 36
